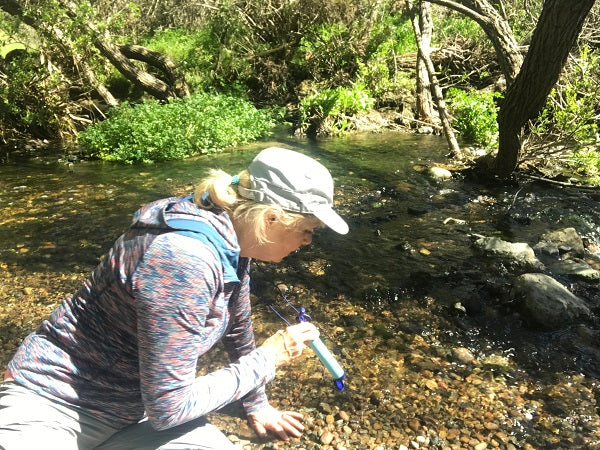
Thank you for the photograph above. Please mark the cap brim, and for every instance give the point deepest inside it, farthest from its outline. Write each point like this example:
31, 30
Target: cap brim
332, 219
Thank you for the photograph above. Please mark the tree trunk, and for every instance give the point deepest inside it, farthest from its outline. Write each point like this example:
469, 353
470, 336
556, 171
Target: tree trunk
555, 34
436, 92
161, 62
497, 30
175, 85
14, 9
425, 111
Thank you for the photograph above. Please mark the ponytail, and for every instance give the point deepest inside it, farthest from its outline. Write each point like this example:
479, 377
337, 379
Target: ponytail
219, 190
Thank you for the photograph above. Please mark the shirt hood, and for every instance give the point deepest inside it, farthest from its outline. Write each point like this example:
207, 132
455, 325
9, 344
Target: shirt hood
181, 215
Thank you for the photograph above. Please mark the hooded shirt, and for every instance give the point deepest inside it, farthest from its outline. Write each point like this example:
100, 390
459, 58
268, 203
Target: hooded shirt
128, 342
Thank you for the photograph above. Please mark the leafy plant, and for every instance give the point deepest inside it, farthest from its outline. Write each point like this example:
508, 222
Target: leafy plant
452, 26
325, 52
474, 115
152, 131
331, 110
570, 119
30, 99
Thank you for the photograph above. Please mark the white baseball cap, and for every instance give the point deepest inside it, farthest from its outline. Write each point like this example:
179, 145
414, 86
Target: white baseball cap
294, 181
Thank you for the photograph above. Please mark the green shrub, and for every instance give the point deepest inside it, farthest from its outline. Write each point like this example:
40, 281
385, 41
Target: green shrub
152, 131
570, 117
570, 112
453, 26
325, 53
474, 115
330, 110
31, 100
194, 52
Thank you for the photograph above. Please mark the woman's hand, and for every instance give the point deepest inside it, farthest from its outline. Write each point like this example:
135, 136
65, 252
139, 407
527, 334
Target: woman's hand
288, 344
284, 424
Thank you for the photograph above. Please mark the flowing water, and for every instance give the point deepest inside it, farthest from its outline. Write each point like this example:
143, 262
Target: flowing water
407, 268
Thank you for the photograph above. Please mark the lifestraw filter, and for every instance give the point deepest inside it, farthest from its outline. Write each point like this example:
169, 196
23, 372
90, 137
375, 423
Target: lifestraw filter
317, 345
329, 362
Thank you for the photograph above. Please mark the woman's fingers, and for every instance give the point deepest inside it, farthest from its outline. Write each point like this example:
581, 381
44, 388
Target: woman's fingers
289, 343
292, 424
283, 424
303, 332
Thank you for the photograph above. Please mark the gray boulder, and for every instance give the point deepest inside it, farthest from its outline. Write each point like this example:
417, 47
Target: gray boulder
519, 252
547, 302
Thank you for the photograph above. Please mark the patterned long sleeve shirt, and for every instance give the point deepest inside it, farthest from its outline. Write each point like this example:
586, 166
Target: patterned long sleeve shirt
129, 341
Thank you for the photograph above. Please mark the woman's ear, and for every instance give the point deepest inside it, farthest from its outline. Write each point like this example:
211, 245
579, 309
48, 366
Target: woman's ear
271, 217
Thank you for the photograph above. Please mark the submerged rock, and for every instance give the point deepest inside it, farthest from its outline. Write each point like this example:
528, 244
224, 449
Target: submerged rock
548, 303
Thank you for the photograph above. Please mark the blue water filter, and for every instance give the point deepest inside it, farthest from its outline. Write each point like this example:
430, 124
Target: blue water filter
329, 362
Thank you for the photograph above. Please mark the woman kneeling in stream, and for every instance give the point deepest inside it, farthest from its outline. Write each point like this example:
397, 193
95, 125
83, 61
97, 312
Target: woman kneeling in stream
114, 367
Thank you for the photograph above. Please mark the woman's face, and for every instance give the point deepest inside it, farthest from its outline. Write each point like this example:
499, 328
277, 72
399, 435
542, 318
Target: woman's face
281, 239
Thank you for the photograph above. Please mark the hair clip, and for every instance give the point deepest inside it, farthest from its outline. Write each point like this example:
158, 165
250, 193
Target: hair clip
235, 179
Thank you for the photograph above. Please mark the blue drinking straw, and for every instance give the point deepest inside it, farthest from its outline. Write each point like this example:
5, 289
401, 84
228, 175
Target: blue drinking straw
316, 345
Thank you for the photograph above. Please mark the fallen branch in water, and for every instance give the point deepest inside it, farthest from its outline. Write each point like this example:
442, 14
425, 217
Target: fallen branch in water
560, 183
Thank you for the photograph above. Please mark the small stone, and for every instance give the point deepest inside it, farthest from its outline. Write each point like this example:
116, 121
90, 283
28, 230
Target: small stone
463, 355
490, 426
325, 407
431, 385
327, 437
344, 416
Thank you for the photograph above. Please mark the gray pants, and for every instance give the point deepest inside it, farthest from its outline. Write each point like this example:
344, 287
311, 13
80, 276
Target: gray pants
30, 421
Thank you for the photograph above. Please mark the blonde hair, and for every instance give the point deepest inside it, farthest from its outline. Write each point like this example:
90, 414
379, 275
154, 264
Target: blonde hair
219, 191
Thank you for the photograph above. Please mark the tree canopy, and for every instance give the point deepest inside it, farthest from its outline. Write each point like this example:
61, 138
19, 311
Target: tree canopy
316, 59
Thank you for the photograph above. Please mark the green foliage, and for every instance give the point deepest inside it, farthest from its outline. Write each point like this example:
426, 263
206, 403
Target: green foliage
571, 109
586, 161
474, 115
29, 102
325, 53
379, 73
153, 131
454, 26
331, 110
396, 33
194, 52
570, 117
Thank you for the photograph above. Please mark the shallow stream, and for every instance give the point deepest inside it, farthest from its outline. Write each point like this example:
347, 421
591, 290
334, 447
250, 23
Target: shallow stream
396, 299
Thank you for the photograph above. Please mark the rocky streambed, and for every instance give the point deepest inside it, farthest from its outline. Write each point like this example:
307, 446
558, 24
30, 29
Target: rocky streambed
465, 315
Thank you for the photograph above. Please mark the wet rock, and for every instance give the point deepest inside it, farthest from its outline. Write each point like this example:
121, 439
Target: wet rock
546, 248
440, 173
576, 268
548, 303
566, 239
418, 210
425, 130
463, 355
496, 363
519, 252
327, 437
354, 321
344, 416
